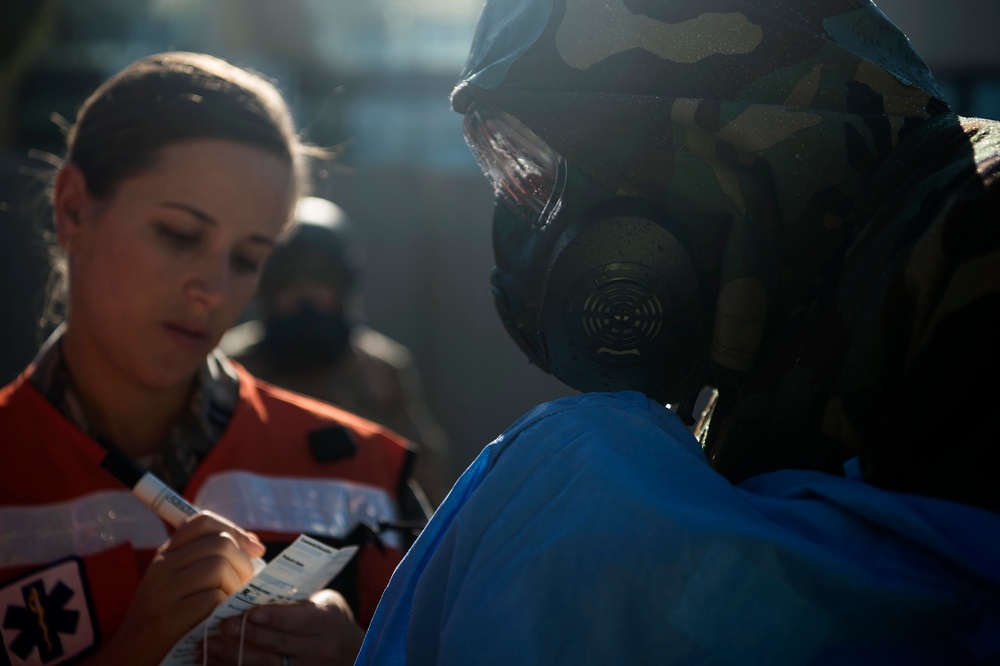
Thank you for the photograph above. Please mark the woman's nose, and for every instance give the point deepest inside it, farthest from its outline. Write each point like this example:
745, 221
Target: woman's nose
208, 285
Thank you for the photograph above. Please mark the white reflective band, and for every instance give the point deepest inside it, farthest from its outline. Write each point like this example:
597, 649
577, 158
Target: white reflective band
99, 521
83, 526
311, 505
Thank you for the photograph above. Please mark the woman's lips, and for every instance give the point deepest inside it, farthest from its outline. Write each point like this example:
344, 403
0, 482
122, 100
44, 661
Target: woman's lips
186, 334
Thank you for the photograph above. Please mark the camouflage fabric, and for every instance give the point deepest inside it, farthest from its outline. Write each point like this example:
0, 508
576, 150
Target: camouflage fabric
845, 216
188, 440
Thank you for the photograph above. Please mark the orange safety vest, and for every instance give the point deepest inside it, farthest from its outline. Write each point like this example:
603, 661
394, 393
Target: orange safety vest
74, 543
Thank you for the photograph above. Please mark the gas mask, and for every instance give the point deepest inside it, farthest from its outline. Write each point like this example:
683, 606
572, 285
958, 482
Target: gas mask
596, 288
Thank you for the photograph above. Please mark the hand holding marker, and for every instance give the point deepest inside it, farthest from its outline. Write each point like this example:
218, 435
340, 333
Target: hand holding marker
155, 494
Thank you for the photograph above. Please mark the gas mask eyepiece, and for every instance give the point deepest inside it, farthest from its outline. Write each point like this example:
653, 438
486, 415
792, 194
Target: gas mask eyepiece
526, 174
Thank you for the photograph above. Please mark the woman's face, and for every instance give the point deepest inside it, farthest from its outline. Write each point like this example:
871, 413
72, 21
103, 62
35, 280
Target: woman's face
161, 268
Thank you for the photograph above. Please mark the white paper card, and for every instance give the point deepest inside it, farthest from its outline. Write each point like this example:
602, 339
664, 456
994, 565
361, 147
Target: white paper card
304, 567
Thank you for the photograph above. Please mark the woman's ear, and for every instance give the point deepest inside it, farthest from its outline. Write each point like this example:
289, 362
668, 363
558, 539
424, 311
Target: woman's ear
69, 202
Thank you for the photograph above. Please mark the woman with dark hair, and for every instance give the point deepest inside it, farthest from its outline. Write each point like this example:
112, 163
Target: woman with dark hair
179, 177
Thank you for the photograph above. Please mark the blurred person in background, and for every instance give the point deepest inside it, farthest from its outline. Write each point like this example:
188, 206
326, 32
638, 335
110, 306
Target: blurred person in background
764, 201
180, 175
309, 336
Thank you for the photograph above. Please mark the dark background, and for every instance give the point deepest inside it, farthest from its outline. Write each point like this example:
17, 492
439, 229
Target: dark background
372, 76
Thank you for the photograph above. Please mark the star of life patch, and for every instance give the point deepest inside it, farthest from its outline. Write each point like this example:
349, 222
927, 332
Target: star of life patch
47, 616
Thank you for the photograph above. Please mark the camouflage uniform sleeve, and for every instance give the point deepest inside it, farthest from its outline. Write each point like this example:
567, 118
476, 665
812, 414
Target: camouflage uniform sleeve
937, 432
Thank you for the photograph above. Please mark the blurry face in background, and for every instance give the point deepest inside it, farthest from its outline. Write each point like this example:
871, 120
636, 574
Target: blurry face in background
169, 261
293, 297
307, 323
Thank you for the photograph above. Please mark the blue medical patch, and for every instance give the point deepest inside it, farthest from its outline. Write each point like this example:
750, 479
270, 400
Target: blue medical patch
47, 616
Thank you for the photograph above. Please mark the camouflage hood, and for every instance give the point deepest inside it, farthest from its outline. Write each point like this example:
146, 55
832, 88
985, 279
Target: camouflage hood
770, 117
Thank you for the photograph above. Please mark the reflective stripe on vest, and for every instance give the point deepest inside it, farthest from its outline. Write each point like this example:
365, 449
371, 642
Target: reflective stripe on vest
83, 526
99, 521
313, 505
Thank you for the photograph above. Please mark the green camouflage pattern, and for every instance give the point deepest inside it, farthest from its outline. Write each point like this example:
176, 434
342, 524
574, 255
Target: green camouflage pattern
809, 145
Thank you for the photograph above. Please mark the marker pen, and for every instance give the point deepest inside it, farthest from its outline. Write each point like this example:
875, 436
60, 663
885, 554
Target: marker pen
155, 494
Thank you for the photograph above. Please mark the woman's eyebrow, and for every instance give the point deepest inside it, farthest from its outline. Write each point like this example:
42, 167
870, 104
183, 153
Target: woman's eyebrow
204, 217
190, 210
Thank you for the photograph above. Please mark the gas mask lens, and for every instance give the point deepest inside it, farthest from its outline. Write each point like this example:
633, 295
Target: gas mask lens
526, 174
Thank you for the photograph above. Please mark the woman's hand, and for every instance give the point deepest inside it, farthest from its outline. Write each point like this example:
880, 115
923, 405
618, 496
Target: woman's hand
200, 566
319, 631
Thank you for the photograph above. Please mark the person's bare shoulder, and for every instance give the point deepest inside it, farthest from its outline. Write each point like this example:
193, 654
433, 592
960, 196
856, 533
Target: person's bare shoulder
239, 339
381, 347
